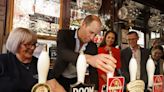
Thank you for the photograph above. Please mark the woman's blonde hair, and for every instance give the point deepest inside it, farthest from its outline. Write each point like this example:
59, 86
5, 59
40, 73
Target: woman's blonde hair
19, 35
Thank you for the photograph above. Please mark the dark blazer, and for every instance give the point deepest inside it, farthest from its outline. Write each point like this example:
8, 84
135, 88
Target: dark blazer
161, 66
65, 54
161, 62
126, 55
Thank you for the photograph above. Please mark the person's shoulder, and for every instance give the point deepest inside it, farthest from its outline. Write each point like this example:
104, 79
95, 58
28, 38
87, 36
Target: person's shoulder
116, 49
145, 49
35, 59
92, 44
100, 48
4, 60
3, 57
125, 49
66, 31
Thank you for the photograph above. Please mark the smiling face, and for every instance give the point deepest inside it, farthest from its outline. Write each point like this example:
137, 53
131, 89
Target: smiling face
22, 43
132, 40
156, 54
110, 38
25, 50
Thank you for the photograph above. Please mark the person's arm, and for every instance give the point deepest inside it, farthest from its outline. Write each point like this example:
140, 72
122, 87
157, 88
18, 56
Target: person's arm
66, 45
65, 52
102, 61
125, 65
116, 53
102, 75
117, 56
55, 86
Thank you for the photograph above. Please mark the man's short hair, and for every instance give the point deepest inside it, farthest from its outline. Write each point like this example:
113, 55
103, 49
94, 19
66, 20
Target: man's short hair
133, 32
90, 18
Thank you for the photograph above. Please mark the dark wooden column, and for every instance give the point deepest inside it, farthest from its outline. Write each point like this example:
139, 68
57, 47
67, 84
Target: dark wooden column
109, 9
3, 15
65, 14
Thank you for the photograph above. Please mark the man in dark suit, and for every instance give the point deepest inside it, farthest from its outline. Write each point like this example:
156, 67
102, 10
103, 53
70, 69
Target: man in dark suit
70, 43
141, 55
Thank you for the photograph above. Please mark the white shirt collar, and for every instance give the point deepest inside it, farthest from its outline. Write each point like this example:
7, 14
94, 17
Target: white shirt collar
77, 47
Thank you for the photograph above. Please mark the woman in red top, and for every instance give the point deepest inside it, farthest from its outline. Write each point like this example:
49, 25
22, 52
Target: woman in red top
108, 44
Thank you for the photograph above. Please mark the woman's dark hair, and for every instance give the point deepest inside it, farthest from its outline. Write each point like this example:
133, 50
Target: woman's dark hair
103, 43
157, 47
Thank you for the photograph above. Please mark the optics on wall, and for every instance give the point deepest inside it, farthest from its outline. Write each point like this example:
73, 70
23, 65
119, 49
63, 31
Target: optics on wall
129, 11
156, 20
90, 5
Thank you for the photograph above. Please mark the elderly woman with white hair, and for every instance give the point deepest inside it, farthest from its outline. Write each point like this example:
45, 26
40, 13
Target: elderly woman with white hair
18, 67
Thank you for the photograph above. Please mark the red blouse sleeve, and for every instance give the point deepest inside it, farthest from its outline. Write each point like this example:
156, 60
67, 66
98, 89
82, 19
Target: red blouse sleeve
101, 50
116, 55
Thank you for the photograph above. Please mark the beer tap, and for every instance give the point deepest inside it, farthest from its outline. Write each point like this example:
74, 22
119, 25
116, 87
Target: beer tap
150, 67
133, 68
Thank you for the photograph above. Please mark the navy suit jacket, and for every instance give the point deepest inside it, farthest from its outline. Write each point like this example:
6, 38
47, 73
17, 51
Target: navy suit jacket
66, 54
126, 55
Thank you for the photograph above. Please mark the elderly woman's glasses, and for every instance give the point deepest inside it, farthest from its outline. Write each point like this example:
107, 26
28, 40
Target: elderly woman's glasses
30, 45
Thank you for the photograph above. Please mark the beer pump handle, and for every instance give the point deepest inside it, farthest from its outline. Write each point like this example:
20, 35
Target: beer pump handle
42, 68
133, 68
150, 67
81, 67
110, 74
43, 65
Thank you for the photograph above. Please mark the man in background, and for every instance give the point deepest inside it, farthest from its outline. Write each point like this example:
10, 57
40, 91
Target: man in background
140, 54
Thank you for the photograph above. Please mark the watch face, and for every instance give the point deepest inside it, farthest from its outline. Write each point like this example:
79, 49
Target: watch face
122, 13
40, 87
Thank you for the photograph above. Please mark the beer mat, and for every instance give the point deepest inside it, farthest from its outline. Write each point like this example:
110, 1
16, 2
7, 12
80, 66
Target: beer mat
115, 84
